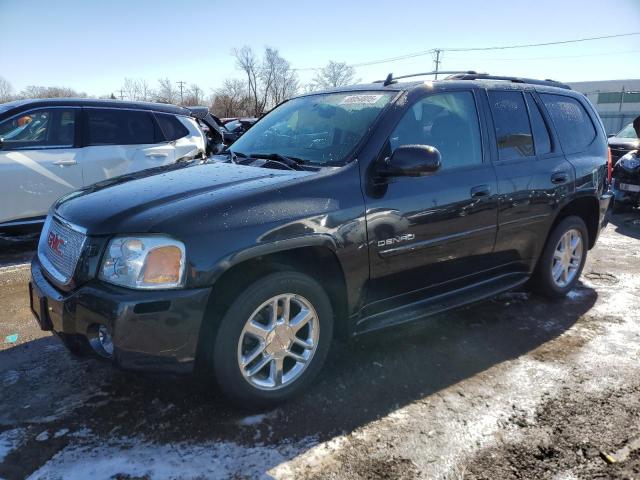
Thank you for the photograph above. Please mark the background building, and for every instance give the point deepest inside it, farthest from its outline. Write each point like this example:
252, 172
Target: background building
617, 101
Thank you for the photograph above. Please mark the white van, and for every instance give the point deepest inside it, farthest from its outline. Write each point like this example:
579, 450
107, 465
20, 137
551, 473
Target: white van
49, 147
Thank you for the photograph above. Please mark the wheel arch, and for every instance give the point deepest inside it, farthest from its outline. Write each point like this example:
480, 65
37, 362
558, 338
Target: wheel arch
586, 207
315, 257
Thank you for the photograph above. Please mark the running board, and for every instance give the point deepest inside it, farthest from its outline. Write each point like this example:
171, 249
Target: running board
441, 303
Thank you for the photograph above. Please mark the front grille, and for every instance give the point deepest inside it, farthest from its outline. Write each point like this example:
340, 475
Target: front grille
60, 248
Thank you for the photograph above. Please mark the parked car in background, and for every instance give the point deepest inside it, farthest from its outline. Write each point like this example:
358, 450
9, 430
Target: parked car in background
50, 147
623, 142
338, 213
236, 127
626, 181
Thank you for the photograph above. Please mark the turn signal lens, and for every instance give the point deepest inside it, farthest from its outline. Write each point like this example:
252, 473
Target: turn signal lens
609, 166
163, 265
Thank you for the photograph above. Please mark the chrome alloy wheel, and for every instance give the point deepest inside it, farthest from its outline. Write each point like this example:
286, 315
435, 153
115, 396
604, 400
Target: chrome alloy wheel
567, 258
278, 341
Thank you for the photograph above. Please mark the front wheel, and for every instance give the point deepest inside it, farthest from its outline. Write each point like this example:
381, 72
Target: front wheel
563, 258
273, 340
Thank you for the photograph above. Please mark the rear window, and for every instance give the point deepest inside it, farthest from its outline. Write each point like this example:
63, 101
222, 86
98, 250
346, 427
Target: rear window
119, 127
171, 127
573, 124
511, 121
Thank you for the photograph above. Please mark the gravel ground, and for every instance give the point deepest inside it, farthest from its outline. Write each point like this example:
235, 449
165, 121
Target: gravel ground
515, 387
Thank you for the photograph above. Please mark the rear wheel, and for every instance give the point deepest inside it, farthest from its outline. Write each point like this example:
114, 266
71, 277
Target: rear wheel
273, 340
563, 258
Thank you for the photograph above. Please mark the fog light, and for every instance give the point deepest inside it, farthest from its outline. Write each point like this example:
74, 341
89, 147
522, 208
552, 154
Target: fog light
106, 342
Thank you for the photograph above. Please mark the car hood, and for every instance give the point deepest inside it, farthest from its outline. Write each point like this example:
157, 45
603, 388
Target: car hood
146, 201
628, 143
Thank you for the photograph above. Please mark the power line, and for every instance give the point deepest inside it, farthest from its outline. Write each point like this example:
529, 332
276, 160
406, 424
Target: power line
603, 54
472, 49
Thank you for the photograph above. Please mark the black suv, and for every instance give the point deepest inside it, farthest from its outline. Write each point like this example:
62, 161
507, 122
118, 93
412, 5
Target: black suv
336, 214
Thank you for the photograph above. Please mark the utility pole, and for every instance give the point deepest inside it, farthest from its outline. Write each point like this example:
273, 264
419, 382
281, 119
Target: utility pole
437, 61
121, 94
181, 83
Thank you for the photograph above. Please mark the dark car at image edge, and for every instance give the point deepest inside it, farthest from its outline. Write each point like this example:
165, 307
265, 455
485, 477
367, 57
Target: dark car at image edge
336, 214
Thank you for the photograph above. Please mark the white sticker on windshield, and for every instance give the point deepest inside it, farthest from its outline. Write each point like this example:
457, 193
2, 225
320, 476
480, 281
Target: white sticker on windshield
360, 99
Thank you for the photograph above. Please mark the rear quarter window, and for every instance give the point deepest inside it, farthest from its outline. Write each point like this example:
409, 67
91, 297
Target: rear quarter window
171, 127
573, 124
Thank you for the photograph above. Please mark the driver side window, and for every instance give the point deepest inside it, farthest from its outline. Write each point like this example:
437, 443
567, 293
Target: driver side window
447, 121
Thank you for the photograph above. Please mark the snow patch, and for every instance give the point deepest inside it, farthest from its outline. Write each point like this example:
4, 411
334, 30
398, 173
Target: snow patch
9, 441
137, 458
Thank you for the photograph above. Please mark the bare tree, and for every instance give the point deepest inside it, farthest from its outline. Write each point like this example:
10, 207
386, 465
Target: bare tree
130, 89
6, 90
247, 61
334, 74
36, 91
231, 100
166, 92
269, 81
194, 96
280, 81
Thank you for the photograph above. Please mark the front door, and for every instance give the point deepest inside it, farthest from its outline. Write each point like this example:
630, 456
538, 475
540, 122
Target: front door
428, 231
38, 162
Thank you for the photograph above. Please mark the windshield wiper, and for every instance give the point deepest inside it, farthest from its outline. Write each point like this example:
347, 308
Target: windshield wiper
233, 156
292, 162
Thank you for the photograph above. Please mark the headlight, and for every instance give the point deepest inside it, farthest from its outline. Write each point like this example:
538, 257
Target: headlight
146, 262
630, 160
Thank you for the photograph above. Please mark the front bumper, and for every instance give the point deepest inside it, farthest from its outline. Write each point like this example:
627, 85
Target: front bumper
151, 330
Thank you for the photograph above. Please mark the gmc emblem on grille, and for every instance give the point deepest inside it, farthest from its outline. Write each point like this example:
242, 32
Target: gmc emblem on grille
55, 243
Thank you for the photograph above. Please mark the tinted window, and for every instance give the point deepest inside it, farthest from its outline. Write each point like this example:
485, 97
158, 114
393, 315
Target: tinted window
539, 126
171, 127
53, 127
447, 121
572, 122
511, 122
322, 129
119, 127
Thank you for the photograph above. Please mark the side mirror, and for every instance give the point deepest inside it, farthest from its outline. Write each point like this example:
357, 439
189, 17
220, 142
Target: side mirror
412, 161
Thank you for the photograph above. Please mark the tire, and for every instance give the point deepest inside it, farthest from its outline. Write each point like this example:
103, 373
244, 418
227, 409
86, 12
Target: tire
544, 279
235, 340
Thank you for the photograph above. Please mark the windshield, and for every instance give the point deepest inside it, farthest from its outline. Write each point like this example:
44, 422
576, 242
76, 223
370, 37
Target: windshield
319, 129
627, 132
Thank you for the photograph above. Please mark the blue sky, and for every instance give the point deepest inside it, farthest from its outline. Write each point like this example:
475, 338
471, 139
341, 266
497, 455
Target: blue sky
93, 45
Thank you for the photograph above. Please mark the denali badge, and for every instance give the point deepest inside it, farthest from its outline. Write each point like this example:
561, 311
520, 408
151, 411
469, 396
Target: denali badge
55, 243
393, 240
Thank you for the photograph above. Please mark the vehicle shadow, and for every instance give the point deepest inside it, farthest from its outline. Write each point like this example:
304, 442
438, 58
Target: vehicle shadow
627, 223
363, 380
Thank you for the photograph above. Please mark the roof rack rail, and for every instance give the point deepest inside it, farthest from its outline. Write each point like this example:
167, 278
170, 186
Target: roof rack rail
486, 76
391, 79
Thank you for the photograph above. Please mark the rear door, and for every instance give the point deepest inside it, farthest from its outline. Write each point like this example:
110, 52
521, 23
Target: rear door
119, 141
427, 231
533, 176
38, 161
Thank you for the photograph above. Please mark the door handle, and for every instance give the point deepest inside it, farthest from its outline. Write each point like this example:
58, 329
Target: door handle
156, 154
559, 178
65, 162
480, 191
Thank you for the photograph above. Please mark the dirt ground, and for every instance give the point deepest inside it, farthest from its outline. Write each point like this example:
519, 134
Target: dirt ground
517, 387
